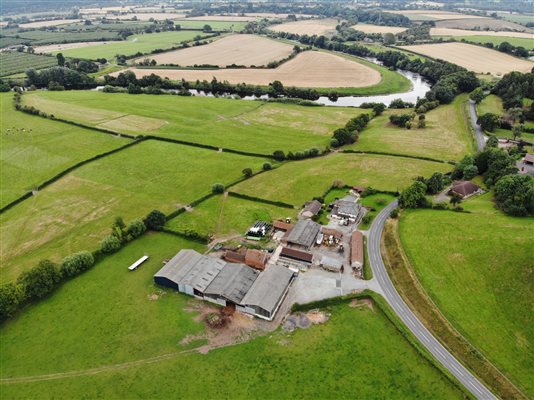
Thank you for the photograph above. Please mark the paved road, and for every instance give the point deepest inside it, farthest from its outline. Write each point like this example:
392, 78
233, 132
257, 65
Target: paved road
410, 320
479, 133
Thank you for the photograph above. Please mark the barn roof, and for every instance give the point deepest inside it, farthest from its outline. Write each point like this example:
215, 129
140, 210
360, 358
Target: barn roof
313, 207
304, 233
191, 268
356, 248
267, 290
233, 282
296, 254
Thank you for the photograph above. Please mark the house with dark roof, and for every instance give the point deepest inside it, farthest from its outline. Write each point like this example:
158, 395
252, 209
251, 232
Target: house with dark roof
464, 189
311, 209
303, 234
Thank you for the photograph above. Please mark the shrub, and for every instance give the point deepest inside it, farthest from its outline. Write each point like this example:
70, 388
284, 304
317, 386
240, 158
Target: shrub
217, 188
155, 220
110, 244
400, 119
136, 228
76, 263
279, 155
338, 184
267, 166
394, 213
11, 295
39, 281
247, 172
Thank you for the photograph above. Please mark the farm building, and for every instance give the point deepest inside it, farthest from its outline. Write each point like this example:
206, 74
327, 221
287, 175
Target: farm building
348, 208
311, 209
267, 292
465, 189
234, 257
526, 165
297, 258
356, 250
331, 264
282, 226
256, 258
528, 159
212, 279
189, 272
303, 235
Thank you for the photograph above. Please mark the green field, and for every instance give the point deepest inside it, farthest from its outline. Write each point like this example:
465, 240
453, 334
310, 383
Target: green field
75, 213
495, 40
13, 62
300, 181
477, 268
242, 125
522, 19
375, 203
143, 43
226, 215
43, 149
357, 346
215, 25
446, 136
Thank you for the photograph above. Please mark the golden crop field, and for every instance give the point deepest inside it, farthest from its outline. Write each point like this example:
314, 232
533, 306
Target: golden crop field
474, 58
147, 16
54, 22
50, 48
308, 69
482, 24
367, 28
307, 27
466, 32
435, 15
245, 50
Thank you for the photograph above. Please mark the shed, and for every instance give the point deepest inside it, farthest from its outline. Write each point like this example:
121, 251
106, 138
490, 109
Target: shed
356, 250
282, 226
465, 189
528, 159
234, 257
231, 284
297, 255
267, 292
311, 209
331, 264
256, 258
303, 234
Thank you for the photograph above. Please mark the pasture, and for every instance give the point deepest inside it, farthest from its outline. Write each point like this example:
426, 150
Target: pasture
35, 149
309, 69
522, 39
368, 28
307, 27
222, 216
247, 50
445, 137
477, 267
147, 16
388, 364
46, 23
143, 43
13, 62
243, 125
300, 181
434, 15
474, 58
58, 48
235, 26
522, 19
75, 212
482, 24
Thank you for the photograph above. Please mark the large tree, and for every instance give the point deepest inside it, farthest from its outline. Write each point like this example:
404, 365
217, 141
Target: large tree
515, 194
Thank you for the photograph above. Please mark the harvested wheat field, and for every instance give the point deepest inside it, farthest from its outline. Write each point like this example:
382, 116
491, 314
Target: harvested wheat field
474, 58
367, 28
147, 16
230, 18
482, 24
435, 15
307, 27
245, 50
308, 69
54, 22
466, 32
50, 48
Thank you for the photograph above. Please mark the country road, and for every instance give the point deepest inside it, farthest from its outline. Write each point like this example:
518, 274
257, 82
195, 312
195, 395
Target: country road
479, 133
408, 317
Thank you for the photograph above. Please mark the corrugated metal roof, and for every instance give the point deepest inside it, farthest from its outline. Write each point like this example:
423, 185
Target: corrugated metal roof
296, 254
191, 268
356, 248
269, 288
304, 233
233, 282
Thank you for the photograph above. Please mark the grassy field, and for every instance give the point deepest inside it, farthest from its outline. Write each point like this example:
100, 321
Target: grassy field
495, 40
446, 136
234, 26
13, 62
242, 125
43, 149
226, 215
375, 203
478, 267
300, 181
143, 43
517, 18
58, 334
357, 346
75, 213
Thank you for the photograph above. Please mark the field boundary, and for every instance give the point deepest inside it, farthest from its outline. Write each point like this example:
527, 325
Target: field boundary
383, 153
410, 288
260, 200
61, 174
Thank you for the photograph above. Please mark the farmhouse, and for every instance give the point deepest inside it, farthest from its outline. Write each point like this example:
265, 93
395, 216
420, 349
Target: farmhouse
348, 208
267, 292
303, 235
356, 250
311, 209
465, 189
208, 278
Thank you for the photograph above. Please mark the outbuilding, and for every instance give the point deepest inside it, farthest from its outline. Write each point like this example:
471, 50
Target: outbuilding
356, 250
303, 235
331, 264
311, 209
231, 284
